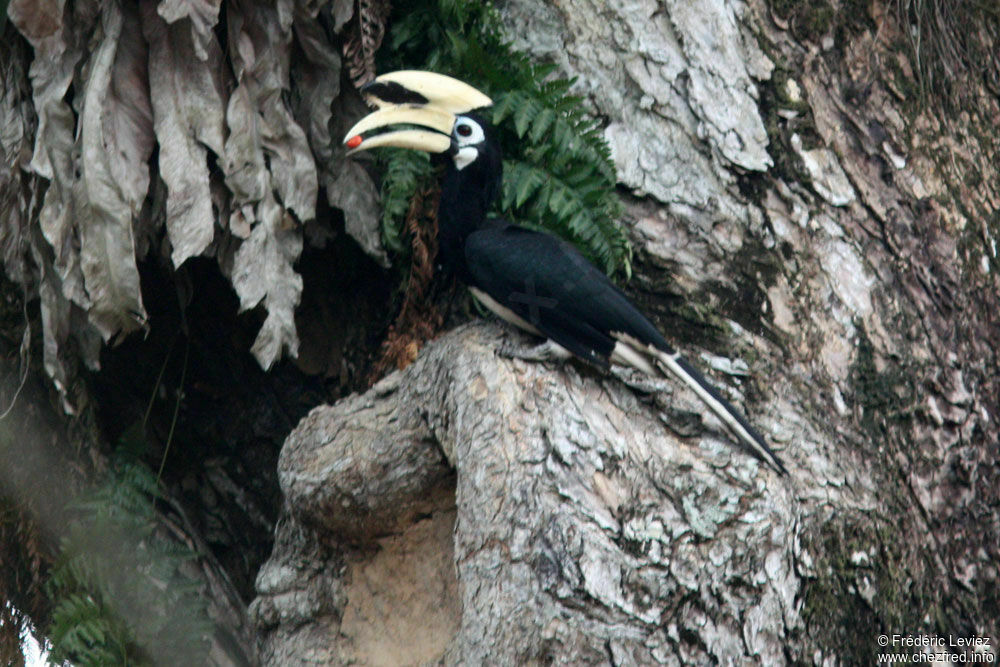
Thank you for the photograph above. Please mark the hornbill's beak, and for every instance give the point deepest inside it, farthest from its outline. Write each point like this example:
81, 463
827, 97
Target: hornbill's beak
412, 97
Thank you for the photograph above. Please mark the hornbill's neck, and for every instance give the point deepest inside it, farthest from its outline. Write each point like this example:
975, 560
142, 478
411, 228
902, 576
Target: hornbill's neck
466, 196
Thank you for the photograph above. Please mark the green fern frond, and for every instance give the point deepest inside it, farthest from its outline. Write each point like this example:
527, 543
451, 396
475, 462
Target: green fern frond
571, 209
118, 596
404, 172
82, 632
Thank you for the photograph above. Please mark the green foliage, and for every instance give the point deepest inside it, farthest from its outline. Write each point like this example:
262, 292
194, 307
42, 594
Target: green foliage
404, 172
118, 595
558, 173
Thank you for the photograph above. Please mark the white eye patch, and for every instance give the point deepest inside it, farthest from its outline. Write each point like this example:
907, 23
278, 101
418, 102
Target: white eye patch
467, 132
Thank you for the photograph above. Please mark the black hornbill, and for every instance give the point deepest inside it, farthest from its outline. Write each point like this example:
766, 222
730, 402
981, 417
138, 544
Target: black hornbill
531, 279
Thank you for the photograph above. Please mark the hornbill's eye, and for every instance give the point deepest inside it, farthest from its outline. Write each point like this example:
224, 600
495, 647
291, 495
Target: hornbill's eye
468, 132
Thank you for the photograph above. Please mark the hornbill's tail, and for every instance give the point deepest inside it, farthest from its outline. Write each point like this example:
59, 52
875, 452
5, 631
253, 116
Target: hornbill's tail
671, 360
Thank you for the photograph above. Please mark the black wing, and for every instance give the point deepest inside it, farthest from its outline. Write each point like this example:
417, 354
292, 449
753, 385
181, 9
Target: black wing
548, 283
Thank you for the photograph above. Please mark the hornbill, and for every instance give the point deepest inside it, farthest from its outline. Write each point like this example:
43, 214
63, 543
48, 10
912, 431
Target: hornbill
535, 281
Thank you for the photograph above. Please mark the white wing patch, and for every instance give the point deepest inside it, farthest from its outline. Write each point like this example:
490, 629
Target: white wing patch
503, 312
624, 354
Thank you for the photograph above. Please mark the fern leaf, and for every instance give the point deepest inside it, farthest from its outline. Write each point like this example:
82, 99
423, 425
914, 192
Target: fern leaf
405, 172
116, 590
502, 106
527, 185
524, 114
543, 121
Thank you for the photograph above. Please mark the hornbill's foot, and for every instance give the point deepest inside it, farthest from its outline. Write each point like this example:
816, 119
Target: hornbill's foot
639, 381
544, 352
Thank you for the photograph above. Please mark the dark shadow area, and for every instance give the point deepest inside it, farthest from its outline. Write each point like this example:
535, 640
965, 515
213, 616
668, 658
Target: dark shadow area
216, 420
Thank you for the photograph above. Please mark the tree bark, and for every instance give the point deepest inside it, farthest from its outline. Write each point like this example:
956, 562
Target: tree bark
839, 273
807, 228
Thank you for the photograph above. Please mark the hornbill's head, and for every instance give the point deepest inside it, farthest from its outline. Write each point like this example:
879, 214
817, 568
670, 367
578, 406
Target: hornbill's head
436, 113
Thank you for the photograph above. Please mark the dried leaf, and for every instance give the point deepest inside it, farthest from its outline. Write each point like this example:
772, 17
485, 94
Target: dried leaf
54, 147
135, 86
316, 83
116, 140
269, 169
37, 20
188, 117
51, 73
263, 272
52, 243
128, 115
204, 15
341, 11
276, 147
61, 318
246, 171
55, 319
16, 128
419, 319
87, 212
363, 39
347, 185
41, 22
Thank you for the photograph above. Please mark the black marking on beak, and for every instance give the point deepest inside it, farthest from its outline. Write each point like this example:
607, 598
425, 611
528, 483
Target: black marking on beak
391, 92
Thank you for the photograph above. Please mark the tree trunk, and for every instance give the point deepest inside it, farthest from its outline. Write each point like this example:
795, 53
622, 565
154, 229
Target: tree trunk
841, 283
812, 225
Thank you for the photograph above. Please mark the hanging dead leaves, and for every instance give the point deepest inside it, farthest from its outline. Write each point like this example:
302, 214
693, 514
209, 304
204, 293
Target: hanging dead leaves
162, 129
